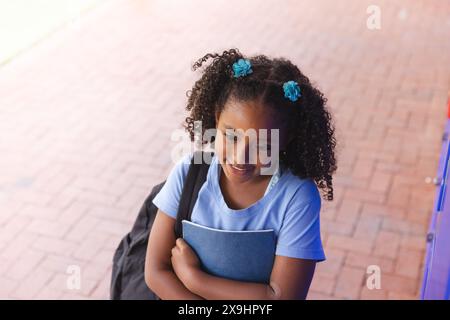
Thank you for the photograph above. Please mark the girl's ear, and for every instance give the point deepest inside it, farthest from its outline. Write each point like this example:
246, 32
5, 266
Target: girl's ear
217, 117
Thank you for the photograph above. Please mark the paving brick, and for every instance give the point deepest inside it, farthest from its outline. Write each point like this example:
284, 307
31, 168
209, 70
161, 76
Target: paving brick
73, 212
6, 287
59, 283
333, 265
373, 294
54, 245
409, 262
349, 211
382, 210
34, 197
350, 283
16, 248
365, 195
32, 285
334, 227
81, 229
24, 265
48, 228
367, 227
13, 228
363, 169
349, 243
324, 285
34, 211
48, 293
90, 247
380, 182
8, 208
413, 242
313, 295
360, 260
386, 244
401, 226
60, 264
399, 284
402, 296
101, 291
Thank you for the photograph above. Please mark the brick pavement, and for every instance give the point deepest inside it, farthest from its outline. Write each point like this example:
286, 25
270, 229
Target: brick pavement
86, 118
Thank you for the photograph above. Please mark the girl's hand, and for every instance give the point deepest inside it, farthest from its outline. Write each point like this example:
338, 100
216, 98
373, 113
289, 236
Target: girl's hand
185, 262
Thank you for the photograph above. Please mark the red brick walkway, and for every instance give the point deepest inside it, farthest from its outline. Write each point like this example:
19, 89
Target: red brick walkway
86, 118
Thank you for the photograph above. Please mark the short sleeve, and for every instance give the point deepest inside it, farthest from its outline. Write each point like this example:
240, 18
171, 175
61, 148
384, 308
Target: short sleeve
168, 197
299, 236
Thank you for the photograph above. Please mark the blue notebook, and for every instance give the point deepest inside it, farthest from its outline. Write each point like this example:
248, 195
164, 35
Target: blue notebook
237, 255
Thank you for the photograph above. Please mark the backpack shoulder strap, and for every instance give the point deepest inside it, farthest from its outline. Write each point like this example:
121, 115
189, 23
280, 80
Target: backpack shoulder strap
195, 178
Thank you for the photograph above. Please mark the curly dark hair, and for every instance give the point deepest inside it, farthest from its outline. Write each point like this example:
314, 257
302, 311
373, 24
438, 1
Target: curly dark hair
310, 154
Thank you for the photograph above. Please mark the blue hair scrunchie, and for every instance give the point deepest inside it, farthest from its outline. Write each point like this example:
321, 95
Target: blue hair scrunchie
292, 90
242, 68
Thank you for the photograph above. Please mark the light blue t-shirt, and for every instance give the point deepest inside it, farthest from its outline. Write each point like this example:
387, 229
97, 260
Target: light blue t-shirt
291, 208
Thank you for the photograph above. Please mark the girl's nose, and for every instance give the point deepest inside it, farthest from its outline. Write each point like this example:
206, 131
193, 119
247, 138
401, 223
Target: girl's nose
241, 154
244, 152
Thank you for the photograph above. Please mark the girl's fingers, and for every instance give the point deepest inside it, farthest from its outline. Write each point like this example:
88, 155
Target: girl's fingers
181, 243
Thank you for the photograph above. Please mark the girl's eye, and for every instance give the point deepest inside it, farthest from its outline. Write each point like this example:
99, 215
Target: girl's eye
231, 137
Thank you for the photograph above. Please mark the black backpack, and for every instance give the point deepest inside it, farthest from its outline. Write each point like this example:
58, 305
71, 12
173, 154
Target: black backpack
127, 280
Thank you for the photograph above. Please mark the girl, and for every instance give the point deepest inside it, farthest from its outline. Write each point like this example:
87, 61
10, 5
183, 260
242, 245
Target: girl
237, 93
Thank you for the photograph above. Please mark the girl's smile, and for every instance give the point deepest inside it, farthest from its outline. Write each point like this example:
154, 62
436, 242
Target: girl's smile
240, 170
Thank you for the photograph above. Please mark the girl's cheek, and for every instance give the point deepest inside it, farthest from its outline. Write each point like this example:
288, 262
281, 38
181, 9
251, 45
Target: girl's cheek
219, 147
224, 150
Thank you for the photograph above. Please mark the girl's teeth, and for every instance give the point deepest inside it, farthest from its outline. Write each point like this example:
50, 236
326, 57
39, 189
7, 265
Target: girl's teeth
240, 169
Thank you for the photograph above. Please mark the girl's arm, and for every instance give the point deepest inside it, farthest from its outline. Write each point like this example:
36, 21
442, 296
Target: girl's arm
290, 278
159, 274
